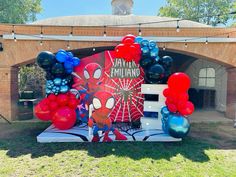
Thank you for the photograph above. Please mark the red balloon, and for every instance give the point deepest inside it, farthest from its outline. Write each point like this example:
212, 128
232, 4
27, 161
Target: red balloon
183, 97
73, 103
128, 41
64, 118
42, 112
180, 82
187, 109
172, 108
130, 37
166, 92
53, 105
52, 97
62, 99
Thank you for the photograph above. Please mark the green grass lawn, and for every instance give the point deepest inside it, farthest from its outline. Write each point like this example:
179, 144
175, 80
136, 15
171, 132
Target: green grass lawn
210, 150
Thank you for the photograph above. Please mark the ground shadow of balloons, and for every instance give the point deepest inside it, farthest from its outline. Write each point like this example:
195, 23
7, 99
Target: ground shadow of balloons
24, 143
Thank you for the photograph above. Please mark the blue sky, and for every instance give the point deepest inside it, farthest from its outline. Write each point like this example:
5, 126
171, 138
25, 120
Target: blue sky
55, 8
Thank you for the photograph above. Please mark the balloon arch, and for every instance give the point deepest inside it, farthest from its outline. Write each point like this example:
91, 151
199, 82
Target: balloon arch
104, 90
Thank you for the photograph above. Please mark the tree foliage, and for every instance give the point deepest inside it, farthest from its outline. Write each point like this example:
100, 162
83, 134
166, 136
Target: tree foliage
19, 11
210, 12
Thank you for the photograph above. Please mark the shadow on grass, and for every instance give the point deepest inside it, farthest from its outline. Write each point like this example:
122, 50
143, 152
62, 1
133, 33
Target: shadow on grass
22, 141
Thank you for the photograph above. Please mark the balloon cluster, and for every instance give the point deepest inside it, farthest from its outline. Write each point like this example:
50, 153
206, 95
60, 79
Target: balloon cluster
157, 70
59, 109
58, 69
58, 85
177, 94
177, 106
129, 50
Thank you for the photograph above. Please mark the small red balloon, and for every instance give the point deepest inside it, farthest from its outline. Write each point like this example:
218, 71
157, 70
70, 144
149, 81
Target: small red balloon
62, 99
187, 109
73, 103
53, 105
64, 118
42, 112
180, 82
172, 108
52, 97
130, 37
183, 97
166, 92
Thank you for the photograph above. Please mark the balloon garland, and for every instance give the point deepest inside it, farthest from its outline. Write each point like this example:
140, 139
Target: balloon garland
174, 114
63, 105
60, 104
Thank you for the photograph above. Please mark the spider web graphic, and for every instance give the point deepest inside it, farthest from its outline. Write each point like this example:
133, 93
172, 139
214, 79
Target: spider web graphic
127, 93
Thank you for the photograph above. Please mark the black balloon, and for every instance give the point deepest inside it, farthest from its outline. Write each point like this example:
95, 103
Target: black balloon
166, 61
167, 75
146, 62
46, 59
49, 76
58, 70
154, 74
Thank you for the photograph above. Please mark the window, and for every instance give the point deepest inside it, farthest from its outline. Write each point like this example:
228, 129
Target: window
207, 77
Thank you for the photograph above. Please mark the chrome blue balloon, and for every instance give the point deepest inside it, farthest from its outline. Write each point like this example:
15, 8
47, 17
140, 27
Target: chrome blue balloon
152, 44
145, 43
61, 56
64, 88
154, 53
138, 39
145, 51
178, 126
57, 81
76, 61
48, 91
156, 60
165, 111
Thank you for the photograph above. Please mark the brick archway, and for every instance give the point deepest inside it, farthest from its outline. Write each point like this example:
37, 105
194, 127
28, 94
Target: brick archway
26, 49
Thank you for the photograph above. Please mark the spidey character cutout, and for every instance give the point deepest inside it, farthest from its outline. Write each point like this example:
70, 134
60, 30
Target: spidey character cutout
90, 84
103, 103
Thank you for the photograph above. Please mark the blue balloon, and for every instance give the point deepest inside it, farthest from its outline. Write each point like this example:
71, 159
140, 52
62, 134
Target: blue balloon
178, 126
157, 59
165, 111
138, 39
61, 50
48, 91
64, 88
152, 44
76, 61
68, 65
70, 54
154, 52
61, 57
145, 51
57, 81
145, 43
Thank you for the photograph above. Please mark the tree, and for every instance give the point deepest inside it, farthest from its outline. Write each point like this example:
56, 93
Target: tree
210, 12
19, 11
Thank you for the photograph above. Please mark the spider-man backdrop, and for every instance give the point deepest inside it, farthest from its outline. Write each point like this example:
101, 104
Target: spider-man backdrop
103, 71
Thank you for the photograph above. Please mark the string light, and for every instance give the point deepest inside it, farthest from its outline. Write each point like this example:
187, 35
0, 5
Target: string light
139, 30
164, 47
68, 44
13, 30
41, 33
177, 27
185, 45
71, 32
41, 43
94, 49
206, 40
105, 32
15, 38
